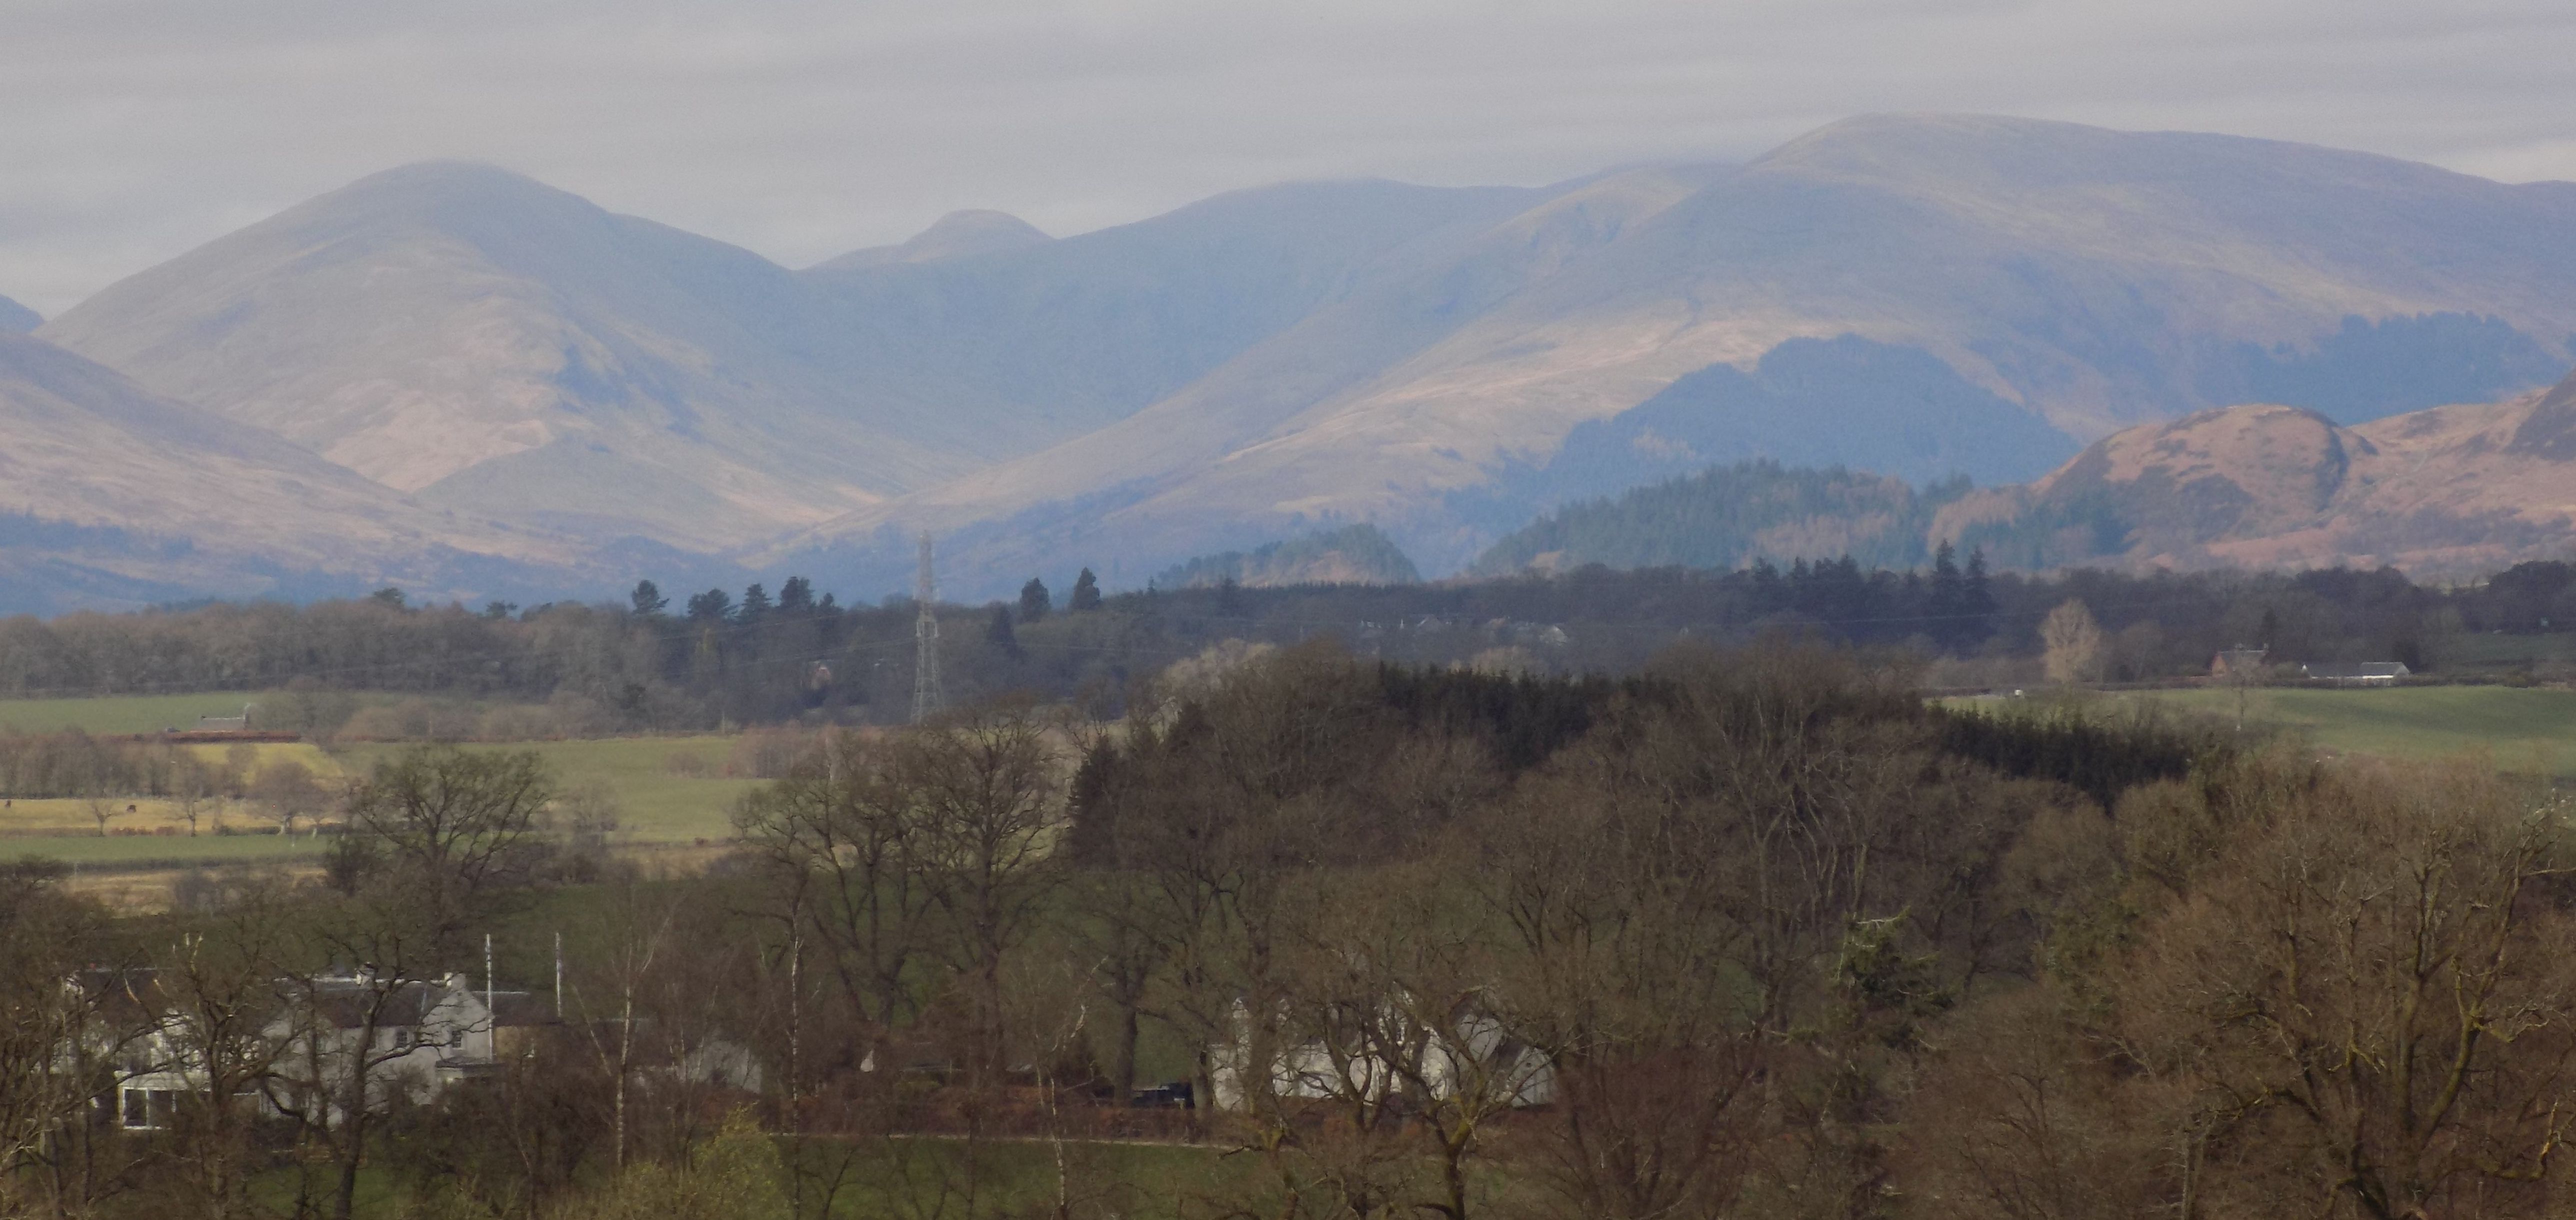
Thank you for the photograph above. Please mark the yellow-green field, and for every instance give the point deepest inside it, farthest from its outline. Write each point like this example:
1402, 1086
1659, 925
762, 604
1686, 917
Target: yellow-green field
668, 790
2524, 729
656, 804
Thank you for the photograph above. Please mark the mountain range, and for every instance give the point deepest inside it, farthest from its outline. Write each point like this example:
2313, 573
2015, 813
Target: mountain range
471, 363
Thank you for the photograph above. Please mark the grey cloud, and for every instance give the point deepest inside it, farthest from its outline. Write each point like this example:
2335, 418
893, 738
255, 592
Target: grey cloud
136, 128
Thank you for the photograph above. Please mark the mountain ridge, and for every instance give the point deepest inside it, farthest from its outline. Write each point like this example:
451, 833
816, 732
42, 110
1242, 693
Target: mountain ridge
1916, 295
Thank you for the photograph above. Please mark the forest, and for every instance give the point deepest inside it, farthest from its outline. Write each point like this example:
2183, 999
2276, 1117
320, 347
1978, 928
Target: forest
1743, 932
722, 659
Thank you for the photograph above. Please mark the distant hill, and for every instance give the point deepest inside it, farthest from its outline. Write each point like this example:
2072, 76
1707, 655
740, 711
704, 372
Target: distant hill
2447, 493
17, 319
483, 341
955, 235
1730, 516
1351, 555
2450, 492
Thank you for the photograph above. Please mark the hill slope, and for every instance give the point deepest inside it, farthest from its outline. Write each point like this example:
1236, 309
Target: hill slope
109, 495
17, 319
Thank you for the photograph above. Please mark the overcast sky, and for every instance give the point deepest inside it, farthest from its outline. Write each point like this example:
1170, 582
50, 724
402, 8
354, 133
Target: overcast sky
131, 130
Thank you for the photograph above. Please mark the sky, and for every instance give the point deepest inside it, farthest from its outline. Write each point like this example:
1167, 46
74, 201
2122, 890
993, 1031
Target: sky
133, 130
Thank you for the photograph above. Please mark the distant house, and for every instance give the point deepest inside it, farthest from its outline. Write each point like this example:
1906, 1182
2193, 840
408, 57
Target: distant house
2242, 661
427, 1036
2362, 673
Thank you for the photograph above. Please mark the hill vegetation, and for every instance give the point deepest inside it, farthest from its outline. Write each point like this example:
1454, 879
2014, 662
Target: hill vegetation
1352, 555
1728, 517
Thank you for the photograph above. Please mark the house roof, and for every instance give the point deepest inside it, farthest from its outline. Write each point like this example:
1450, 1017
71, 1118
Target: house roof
346, 1003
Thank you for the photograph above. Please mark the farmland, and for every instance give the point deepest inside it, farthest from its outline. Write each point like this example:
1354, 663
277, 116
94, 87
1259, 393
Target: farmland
2523, 729
667, 791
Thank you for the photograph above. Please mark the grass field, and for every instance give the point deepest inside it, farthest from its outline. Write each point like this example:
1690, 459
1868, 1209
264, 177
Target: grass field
155, 852
2523, 729
655, 804
660, 803
127, 713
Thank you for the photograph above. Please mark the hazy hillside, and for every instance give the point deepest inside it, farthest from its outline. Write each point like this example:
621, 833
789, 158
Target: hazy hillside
110, 496
1992, 274
485, 341
1351, 555
1040, 343
955, 235
17, 319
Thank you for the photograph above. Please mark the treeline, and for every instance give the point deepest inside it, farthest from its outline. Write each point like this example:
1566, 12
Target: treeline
1747, 933
763, 658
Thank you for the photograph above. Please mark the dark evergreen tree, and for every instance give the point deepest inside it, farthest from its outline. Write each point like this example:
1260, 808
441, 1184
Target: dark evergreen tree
755, 606
796, 597
1034, 602
1086, 593
647, 599
712, 606
999, 633
1976, 601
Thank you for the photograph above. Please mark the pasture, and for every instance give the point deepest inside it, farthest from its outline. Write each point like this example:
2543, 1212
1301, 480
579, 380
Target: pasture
2530, 730
128, 714
669, 792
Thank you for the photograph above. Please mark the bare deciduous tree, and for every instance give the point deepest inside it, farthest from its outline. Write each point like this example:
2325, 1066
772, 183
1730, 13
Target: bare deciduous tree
2072, 643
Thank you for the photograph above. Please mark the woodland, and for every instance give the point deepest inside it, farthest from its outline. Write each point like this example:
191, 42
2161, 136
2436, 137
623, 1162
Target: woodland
1752, 932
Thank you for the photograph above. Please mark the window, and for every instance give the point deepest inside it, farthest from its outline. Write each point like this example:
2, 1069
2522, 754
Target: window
138, 1110
402, 1039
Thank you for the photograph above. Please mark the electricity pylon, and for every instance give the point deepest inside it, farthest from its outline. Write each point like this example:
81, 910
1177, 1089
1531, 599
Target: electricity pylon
926, 696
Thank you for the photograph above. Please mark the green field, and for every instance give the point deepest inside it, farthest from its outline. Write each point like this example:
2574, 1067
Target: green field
2522, 729
128, 713
159, 851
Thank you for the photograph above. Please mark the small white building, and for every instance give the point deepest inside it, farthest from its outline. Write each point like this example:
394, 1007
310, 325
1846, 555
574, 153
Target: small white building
427, 1035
